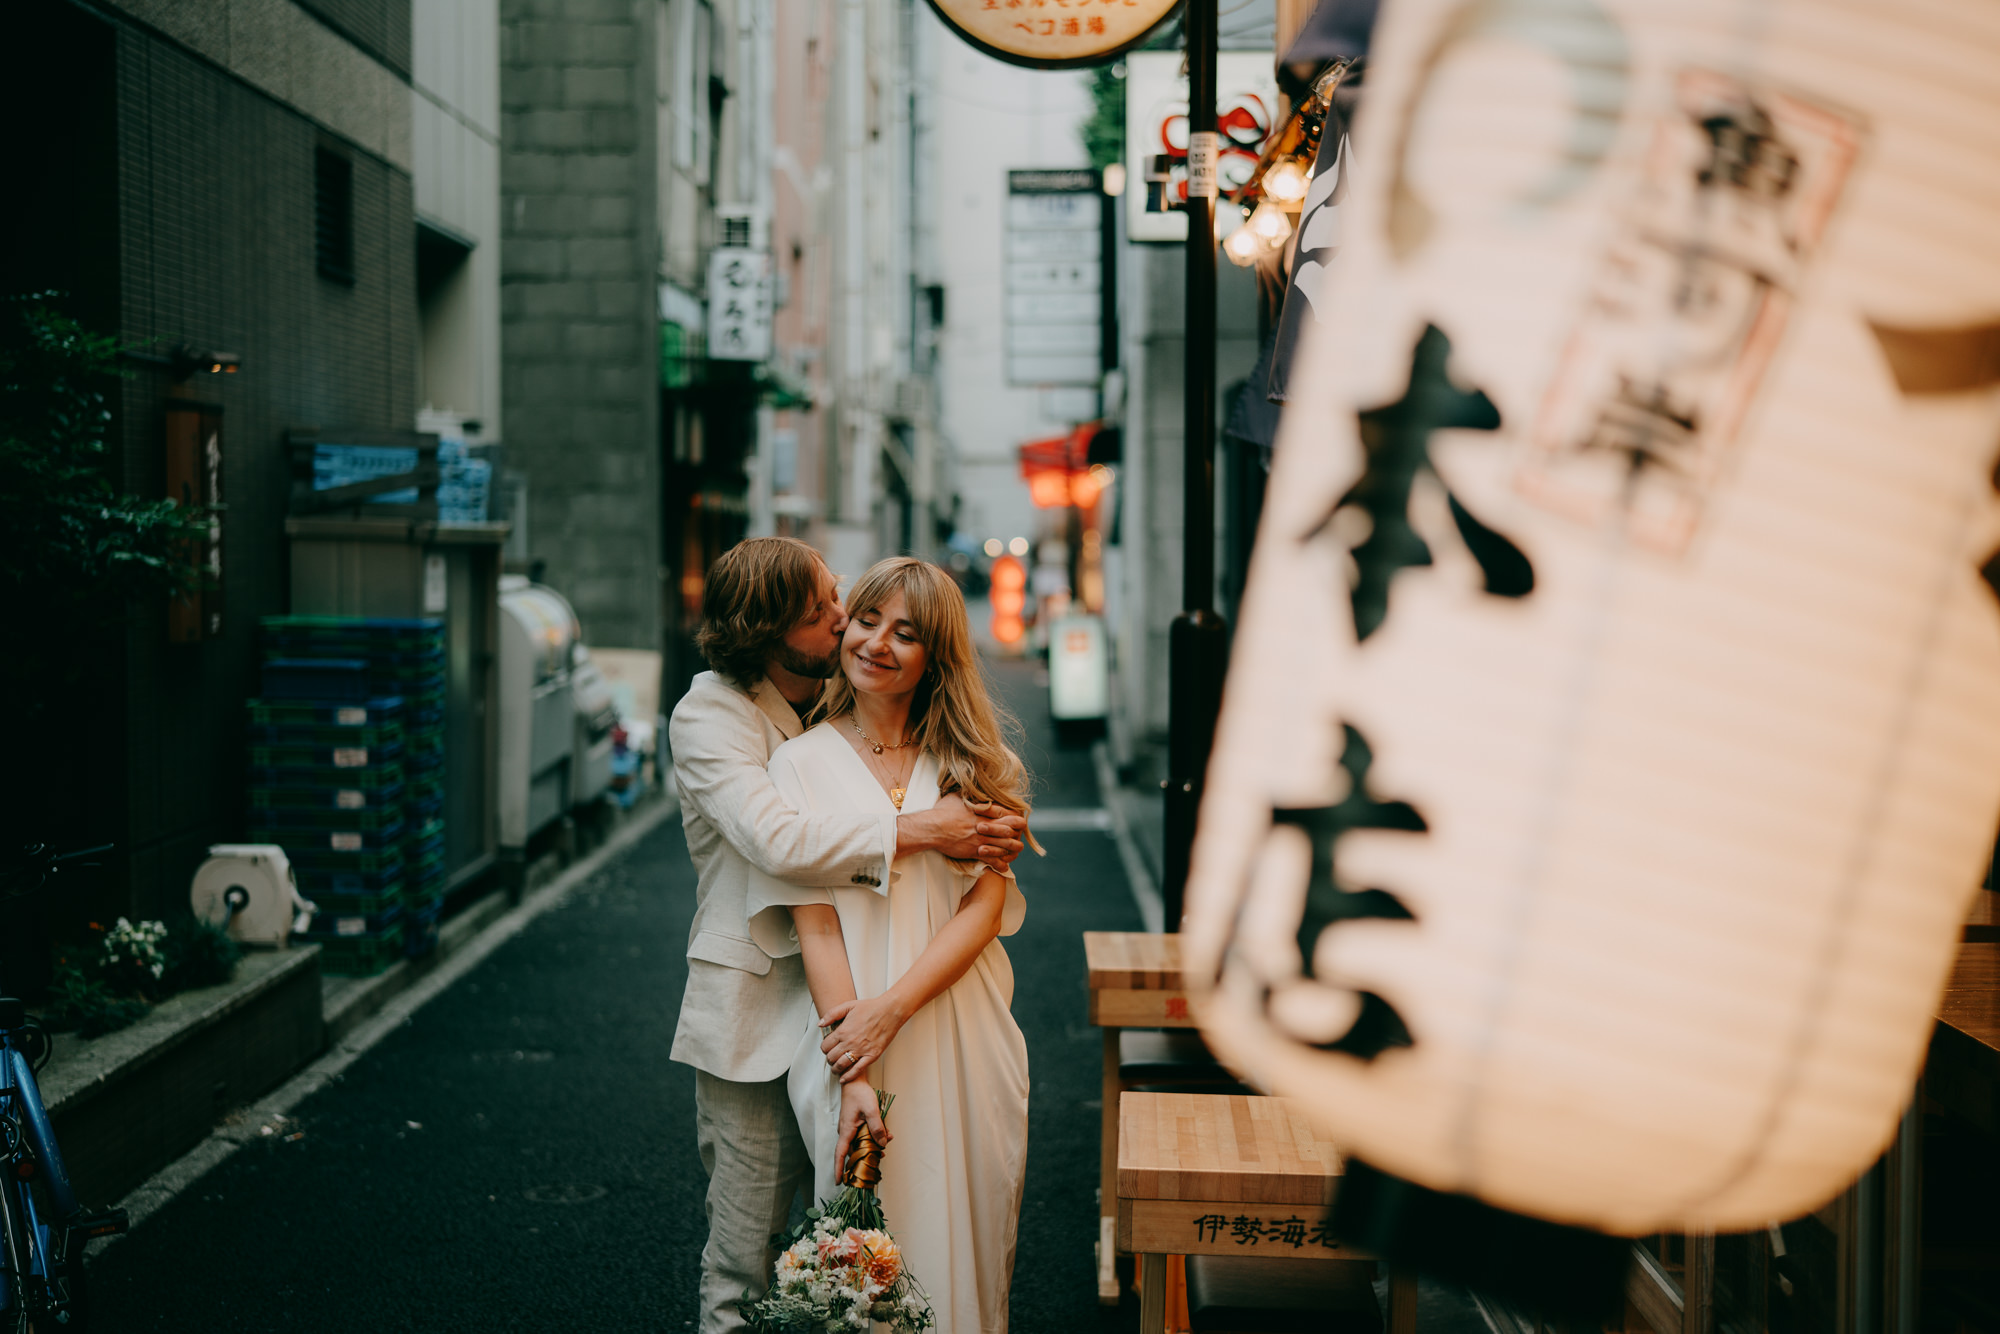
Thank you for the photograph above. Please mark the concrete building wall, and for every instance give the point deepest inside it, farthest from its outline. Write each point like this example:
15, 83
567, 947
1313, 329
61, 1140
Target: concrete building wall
185, 169
801, 190
455, 116
579, 305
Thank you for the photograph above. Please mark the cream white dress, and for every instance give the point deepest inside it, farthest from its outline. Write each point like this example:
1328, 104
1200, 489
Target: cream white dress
952, 1178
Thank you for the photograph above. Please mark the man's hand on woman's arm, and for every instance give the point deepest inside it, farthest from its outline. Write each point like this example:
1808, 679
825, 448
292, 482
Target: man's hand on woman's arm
964, 831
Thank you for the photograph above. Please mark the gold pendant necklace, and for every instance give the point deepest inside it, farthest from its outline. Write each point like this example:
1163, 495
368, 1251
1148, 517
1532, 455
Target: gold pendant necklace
877, 746
897, 789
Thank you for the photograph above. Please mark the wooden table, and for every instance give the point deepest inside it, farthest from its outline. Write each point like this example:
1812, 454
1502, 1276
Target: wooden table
1225, 1174
1963, 1071
1983, 922
1135, 982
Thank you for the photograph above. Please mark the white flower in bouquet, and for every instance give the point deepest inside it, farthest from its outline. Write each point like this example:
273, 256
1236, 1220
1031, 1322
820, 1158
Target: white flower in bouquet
843, 1270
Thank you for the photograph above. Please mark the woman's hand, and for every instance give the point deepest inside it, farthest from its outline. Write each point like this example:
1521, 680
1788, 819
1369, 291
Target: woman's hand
862, 1031
858, 1104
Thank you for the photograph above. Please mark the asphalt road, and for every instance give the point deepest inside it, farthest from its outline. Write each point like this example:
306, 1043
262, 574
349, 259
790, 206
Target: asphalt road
520, 1154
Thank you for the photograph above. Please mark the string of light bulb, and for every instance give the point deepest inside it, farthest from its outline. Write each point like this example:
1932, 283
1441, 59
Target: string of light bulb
1276, 191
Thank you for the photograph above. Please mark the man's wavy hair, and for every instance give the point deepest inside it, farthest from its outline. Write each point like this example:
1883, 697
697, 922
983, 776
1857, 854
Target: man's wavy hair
756, 592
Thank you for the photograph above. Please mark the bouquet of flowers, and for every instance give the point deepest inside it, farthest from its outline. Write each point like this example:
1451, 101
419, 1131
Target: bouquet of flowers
842, 1270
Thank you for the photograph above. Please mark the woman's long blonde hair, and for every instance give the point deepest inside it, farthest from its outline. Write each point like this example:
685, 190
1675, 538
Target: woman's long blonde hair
954, 715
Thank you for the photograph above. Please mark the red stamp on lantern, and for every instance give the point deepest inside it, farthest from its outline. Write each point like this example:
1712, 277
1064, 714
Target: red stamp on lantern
1687, 306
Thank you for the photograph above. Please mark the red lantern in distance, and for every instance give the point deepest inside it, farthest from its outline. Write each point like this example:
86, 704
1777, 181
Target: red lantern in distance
1009, 596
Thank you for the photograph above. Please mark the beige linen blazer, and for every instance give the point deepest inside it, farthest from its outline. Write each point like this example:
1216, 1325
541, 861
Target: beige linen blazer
743, 1010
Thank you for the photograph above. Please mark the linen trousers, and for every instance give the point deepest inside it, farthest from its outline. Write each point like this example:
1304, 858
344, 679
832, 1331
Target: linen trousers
756, 1162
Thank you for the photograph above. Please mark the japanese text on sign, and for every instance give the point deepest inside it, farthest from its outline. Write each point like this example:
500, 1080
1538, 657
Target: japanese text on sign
1293, 1231
1045, 33
739, 305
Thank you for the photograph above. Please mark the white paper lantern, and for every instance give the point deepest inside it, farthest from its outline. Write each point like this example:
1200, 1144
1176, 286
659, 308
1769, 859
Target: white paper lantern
1616, 655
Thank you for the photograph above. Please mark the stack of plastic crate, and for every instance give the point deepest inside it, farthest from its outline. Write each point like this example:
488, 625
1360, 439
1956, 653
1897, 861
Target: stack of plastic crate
421, 678
327, 784
404, 660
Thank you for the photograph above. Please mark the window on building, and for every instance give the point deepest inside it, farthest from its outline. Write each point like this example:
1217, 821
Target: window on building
333, 216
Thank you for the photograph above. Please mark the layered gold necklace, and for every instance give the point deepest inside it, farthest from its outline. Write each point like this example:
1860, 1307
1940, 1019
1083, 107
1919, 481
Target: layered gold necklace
897, 781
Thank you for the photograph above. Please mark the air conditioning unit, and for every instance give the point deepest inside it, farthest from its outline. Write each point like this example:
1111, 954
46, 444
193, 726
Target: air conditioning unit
911, 399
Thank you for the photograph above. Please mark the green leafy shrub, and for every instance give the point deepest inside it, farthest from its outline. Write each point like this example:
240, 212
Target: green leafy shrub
88, 1004
72, 546
198, 954
111, 982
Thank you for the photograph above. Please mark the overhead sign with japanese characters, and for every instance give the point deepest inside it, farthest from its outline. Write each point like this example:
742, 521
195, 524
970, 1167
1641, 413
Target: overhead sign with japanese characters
1053, 277
1052, 34
1156, 134
739, 304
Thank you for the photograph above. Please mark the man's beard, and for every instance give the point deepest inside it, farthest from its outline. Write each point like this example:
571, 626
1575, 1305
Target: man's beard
805, 664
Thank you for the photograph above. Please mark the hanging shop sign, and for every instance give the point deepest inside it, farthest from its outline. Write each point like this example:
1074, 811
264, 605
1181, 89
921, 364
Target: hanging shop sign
1156, 134
1052, 34
1054, 277
1611, 746
739, 304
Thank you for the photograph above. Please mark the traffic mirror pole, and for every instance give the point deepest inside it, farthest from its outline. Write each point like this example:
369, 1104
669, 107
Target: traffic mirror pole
1198, 644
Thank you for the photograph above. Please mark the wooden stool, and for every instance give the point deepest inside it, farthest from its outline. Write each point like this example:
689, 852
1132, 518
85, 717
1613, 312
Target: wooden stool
1231, 1294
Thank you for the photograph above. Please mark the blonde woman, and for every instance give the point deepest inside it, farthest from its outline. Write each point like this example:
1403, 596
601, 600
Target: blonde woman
909, 978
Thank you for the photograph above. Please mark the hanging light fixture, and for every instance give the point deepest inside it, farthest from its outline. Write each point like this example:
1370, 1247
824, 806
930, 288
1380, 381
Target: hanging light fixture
1243, 245
1285, 184
1270, 225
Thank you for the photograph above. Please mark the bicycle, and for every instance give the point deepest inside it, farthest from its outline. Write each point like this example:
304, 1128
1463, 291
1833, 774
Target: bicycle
43, 1230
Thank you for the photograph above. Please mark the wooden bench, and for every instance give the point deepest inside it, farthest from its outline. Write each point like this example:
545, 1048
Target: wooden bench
1239, 1177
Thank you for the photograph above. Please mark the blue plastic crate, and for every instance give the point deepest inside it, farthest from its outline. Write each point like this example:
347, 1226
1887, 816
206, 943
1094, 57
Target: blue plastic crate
318, 843
310, 796
315, 880
336, 758
361, 903
341, 679
328, 924
379, 778
327, 713
371, 736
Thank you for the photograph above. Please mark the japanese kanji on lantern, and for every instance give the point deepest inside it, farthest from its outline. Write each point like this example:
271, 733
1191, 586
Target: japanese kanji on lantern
1611, 745
1052, 34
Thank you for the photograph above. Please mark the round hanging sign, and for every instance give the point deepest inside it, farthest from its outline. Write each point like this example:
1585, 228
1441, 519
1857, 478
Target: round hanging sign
1052, 34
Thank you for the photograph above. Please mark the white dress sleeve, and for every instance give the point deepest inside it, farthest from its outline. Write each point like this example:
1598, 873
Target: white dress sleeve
1013, 909
768, 900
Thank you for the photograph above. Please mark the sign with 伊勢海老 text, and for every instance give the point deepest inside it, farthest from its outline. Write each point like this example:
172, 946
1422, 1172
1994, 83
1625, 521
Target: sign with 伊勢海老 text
1053, 277
1052, 34
739, 304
